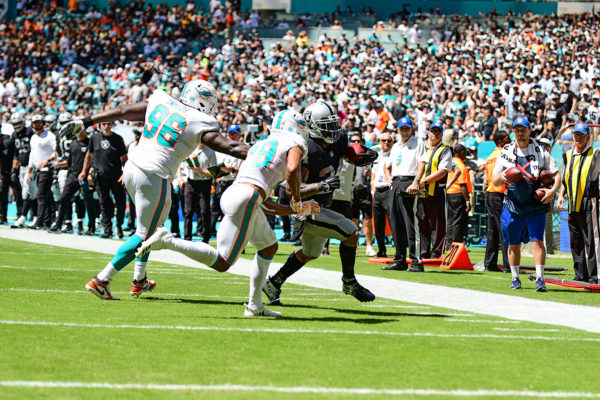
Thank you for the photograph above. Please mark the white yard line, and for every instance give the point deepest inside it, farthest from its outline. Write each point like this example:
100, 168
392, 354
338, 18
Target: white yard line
298, 331
299, 389
526, 330
506, 306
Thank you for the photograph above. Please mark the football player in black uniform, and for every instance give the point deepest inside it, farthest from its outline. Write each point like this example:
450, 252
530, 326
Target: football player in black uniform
20, 138
326, 149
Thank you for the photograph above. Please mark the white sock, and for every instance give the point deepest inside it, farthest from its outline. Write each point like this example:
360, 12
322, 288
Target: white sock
198, 251
107, 273
258, 274
139, 270
539, 271
514, 269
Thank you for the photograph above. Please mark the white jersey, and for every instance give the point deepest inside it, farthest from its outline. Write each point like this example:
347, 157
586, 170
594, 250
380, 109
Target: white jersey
172, 131
266, 164
592, 114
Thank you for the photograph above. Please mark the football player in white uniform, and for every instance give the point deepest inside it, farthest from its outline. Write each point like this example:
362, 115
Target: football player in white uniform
172, 130
244, 204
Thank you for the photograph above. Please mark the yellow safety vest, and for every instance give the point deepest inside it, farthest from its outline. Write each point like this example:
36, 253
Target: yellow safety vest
576, 178
432, 166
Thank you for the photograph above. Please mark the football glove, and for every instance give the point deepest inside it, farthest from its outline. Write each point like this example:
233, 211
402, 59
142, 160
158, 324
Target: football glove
329, 184
14, 175
366, 158
310, 207
71, 129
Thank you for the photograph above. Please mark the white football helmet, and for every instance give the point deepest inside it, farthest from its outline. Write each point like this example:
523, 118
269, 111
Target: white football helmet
290, 121
322, 121
201, 95
64, 117
17, 120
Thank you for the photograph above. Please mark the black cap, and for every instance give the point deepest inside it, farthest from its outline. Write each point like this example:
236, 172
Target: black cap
459, 147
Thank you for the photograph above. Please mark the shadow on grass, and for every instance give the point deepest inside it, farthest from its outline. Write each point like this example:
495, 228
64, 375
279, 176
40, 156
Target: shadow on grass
312, 307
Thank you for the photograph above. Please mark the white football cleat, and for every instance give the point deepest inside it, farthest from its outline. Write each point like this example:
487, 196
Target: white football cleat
154, 242
259, 311
371, 251
20, 222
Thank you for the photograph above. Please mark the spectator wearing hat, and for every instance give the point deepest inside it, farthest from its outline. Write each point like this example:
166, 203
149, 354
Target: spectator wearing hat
434, 165
580, 169
40, 168
494, 199
490, 124
401, 169
458, 196
380, 185
523, 218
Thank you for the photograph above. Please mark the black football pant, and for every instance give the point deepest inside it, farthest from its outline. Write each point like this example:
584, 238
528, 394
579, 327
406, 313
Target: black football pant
458, 218
380, 211
44, 198
402, 219
65, 210
105, 187
494, 202
174, 211
583, 232
197, 193
431, 214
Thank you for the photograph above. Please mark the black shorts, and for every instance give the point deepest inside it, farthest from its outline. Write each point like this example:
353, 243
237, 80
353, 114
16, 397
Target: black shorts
362, 202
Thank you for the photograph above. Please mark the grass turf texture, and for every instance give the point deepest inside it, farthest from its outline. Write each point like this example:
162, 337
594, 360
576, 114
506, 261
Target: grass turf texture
256, 357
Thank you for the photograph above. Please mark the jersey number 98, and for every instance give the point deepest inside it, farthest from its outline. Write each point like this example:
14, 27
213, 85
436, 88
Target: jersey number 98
168, 126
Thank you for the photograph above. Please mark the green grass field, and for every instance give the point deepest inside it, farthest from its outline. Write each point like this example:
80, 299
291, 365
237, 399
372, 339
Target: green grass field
191, 331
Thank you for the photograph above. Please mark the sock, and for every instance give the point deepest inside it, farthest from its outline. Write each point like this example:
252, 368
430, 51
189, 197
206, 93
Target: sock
139, 270
291, 266
126, 252
348, 256
107, 273
198, 251
26, 207
514, 270
539, 271
258, 273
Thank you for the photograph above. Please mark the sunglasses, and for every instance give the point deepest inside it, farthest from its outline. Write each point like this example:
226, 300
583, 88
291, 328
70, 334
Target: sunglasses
355, 141
386, 140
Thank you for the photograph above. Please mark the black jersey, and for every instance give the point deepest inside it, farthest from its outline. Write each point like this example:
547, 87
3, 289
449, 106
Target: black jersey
77, 152
63, 145
7, 153
21, 141
323, 163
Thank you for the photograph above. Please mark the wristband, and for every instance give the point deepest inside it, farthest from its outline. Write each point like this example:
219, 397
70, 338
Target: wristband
87, 122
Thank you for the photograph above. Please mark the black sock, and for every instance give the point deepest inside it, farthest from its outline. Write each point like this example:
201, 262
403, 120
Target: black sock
26, 207
348, 256
291, 266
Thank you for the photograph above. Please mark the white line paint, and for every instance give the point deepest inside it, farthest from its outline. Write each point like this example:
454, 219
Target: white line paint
483, 321
526, 330
296, 331
299, 389
499, 305
394, 306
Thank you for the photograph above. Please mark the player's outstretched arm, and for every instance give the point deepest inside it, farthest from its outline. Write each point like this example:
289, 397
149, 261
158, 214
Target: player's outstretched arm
219, 143
294, 172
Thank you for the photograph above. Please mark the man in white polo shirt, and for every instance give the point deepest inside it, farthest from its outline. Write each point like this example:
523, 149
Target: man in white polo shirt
401, 167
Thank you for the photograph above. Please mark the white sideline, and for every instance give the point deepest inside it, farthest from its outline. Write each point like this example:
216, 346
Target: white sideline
300, 389
419, 335
506, 306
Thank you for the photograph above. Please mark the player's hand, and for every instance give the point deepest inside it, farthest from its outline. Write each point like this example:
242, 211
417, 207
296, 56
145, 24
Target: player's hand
560, 203
548, 196
43, 164
72, 129
82, 176
121, 181
14, 175
296, 206
310, 207
329, 184
413, 188
468, 206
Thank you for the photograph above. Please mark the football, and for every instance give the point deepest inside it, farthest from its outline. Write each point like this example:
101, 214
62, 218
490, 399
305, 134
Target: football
513, 175
546, 178
352, 151
539, 194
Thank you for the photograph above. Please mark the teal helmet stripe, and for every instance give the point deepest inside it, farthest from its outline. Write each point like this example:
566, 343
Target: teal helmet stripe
278, 125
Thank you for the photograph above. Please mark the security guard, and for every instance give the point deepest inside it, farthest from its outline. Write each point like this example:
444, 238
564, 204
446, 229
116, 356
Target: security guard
459, 202
434, 166
580, 184
494, 199
402, 167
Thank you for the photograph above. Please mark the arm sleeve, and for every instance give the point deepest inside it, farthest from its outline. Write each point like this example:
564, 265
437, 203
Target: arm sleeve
446, 160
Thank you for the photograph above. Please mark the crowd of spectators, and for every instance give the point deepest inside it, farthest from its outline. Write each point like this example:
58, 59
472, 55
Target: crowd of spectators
473, 76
